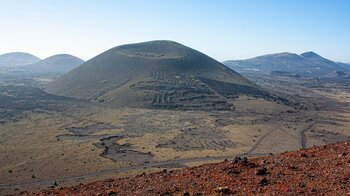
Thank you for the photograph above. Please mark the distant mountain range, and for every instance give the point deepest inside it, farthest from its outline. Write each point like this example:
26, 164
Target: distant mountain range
345, 65
25, 62
17, 59
308, 64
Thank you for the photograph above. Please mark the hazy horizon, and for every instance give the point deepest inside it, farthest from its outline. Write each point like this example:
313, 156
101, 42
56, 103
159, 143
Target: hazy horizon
224, 30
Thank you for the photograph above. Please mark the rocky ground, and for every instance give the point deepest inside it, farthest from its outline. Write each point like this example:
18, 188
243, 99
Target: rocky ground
323, 170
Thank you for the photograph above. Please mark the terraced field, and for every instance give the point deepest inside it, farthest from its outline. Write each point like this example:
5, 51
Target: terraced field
170, 89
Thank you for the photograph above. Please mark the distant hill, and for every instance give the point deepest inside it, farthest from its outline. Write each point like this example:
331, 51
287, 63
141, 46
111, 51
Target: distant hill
17, 59
61, 63
156, 74
344, 65
306, 64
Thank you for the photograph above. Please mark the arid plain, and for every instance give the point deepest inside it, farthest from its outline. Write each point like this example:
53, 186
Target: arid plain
81, 141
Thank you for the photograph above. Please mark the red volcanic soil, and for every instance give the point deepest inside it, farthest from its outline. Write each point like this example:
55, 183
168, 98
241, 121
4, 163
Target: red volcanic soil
323, 170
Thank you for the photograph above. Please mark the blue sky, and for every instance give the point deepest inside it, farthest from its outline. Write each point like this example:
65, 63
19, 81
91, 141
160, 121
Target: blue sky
223, 29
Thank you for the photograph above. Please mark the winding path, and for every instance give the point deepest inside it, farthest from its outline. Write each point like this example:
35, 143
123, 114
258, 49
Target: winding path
161, 164
256, 145
302, 135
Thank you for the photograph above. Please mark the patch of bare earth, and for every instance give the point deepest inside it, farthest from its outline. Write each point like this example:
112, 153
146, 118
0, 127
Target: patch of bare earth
314, 171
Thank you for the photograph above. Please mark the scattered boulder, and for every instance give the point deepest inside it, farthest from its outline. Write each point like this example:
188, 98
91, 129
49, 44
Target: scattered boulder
261, 171
264, 182
223, 190
303, 154
233, 172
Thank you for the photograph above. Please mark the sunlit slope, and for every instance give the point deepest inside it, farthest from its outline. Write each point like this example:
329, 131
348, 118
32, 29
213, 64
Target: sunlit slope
156, 74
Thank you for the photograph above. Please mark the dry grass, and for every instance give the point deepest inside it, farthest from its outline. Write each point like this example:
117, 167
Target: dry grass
30, 147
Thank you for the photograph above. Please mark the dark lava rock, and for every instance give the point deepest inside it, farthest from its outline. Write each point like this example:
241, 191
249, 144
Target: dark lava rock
224, 190
261, 171
264, 182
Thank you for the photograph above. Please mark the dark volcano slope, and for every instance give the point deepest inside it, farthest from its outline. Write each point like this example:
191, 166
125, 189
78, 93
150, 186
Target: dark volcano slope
156, 74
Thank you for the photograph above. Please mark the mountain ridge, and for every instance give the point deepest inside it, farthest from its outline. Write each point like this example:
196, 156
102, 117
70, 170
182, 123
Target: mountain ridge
13, 59
59, 63
305, 64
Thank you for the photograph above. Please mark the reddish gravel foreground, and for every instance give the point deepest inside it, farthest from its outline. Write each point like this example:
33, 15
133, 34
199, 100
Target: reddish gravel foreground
321, 170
